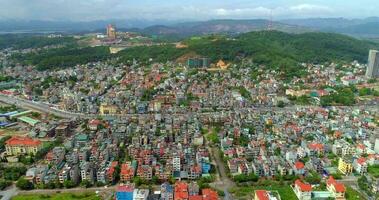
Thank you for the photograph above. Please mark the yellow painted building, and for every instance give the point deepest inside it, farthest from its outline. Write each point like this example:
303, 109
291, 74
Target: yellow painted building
106, 109
345, 166
22, 146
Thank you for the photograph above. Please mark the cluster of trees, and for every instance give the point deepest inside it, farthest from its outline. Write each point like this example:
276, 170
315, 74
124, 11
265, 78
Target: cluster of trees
2, 142
12, 173
343, 96
161, 53
23, 41
5, 78
4, 109
4, 184
24, 184
63, 57
368, 91
245, 178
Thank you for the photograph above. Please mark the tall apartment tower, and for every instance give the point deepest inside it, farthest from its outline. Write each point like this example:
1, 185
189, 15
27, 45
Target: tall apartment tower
111, 32
373, 64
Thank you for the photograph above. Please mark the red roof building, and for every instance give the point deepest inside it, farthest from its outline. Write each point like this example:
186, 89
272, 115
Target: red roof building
261, 195
299, 165
126, 173
304, 187
337, 189
22, 145
209, 194
181, 191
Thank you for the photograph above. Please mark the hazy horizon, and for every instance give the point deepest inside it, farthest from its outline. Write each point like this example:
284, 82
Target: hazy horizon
190, 10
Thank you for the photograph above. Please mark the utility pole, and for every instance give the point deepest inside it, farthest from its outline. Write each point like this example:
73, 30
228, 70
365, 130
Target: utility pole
270, 23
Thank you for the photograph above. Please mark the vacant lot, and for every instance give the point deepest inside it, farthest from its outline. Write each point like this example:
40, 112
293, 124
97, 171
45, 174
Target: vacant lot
247, 192
59, 196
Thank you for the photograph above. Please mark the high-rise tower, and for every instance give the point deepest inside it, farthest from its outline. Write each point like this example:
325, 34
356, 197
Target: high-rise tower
373, 64
111, 32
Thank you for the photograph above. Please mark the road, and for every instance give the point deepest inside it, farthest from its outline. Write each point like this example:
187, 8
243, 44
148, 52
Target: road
223, 183
45, 108
9, 192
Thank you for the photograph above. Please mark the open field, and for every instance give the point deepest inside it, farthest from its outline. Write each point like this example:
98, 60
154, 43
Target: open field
247, 192
58, 196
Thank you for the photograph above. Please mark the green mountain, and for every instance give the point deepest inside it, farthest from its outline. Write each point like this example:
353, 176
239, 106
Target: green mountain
277, 50
225, 26
265, 47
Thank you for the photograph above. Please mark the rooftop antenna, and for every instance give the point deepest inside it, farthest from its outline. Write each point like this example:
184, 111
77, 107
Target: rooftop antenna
270, 24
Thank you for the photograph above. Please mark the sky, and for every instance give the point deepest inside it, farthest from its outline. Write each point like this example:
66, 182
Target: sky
90, 10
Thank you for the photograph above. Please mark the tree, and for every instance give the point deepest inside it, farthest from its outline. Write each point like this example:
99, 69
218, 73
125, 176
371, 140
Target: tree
24, 184
363, 183
86, 183
4, 184
155, 180
281, 104
69, 184
138, 181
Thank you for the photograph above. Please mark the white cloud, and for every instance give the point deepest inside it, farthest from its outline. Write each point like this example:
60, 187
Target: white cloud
258, 11
303, 10
310, 8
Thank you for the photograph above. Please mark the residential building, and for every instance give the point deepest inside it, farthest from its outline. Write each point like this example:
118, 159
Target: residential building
140, 194
124, 192
209, 194
345, 166
22, 146
302, 190
360, 165
261, 195
181, 191
106, 109
167, 191
373, 64
337, 189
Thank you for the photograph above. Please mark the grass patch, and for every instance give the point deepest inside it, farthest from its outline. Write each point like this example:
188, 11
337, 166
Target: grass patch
285, 191
59, 196
373, 170
352, 194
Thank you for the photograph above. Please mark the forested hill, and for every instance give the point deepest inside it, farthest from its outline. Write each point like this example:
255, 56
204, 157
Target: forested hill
24, 41
265, 47
272, 48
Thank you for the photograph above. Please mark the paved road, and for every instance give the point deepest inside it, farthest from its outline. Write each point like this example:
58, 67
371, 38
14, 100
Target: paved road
45, 108
224, 183
9, 192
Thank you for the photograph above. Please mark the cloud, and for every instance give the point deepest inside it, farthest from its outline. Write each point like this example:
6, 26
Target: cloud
88, 10
258, 11
307, 10
310, 8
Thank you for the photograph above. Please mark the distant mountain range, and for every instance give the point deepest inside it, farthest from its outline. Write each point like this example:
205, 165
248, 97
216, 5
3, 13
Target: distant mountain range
368, 27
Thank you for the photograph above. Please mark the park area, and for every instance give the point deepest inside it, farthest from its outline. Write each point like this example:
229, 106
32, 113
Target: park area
58, 196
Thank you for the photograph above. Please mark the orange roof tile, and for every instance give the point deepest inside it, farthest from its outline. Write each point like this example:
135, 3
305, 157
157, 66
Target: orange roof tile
196, 197
339, 187
209, 194
262, 195
299, 165
304, 187
22, 141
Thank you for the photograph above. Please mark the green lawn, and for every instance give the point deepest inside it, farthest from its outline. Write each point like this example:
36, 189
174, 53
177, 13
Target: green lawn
351, 194
247, 192
373, 170
59, 196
